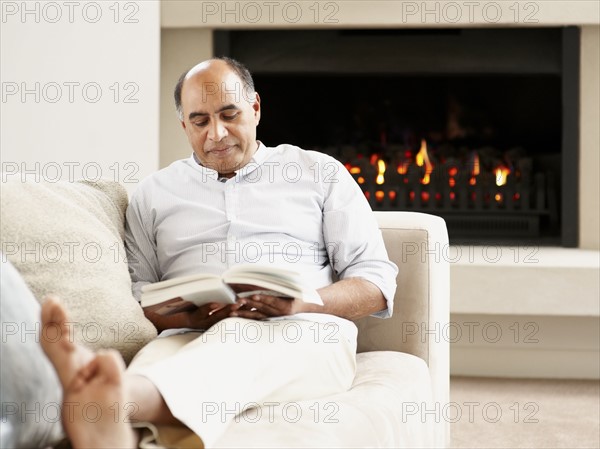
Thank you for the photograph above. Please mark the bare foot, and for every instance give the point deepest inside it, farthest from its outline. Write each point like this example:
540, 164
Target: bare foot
94, 401
66, 357
96, 414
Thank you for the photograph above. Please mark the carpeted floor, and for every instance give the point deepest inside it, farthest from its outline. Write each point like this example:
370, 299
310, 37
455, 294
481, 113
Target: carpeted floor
523, 413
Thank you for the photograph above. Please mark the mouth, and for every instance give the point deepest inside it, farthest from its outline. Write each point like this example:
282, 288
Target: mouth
221, 151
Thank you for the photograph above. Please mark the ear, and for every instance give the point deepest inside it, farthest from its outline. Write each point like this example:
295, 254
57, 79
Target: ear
256, 107
182, 124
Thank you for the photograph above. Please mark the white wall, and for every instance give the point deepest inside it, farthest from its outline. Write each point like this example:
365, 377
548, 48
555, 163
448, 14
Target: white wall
93, 72
181, 49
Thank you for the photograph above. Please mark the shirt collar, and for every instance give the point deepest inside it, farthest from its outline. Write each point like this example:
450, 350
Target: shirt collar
260, 154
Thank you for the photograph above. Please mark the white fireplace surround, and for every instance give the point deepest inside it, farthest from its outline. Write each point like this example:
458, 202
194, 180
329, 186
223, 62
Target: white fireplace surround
543, 301
187, 37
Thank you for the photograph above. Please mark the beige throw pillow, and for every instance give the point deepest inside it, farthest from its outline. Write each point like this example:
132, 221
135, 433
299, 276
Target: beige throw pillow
66, 238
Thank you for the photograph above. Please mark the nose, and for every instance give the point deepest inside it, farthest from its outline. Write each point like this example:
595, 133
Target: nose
217, 131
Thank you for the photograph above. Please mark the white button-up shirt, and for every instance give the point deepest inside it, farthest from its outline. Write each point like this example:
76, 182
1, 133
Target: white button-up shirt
293, 208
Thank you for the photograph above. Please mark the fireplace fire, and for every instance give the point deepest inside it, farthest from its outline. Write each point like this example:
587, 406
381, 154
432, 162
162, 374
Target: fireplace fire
479, 193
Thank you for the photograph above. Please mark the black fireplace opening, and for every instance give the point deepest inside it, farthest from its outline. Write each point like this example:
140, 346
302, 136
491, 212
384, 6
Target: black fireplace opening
479, 127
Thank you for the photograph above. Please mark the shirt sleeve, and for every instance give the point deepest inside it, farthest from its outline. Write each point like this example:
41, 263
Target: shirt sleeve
354, 241
140, 245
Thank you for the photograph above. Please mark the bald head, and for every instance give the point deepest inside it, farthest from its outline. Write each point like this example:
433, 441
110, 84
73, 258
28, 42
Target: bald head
212, 68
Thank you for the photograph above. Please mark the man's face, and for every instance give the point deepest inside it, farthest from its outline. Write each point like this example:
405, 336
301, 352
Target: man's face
219, 117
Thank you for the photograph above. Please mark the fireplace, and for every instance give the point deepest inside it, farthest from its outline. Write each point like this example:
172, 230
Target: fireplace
479, 126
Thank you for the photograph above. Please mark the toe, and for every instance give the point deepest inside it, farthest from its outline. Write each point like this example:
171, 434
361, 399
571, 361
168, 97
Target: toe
110, 365
53, 310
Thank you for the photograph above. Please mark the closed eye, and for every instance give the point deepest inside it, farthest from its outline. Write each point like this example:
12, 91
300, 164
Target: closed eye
230, 116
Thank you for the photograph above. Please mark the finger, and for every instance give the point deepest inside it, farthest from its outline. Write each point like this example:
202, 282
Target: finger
215, 310
274, 301
207, 310
251, 315
218, 315
266, 308
211, 306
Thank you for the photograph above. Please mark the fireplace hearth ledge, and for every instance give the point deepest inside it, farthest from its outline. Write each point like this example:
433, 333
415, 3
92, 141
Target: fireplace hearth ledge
533, 313
520, 280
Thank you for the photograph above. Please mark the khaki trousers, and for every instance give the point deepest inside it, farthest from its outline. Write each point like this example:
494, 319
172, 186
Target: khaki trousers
261, 367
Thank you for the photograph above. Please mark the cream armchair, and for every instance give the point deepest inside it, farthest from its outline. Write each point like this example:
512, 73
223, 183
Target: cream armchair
401, 387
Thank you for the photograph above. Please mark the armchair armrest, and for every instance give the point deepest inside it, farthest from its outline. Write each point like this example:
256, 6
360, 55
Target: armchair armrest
418, 244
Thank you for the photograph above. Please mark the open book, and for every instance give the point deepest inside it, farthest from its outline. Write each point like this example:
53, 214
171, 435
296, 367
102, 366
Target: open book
189, 292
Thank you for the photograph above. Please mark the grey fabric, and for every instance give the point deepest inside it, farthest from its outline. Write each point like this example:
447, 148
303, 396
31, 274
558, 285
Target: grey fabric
30, 393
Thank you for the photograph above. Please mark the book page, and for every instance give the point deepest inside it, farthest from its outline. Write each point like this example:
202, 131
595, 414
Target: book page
177, 281
246, 290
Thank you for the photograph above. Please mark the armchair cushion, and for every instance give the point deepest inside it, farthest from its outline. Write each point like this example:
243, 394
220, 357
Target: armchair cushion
382, 409
66, 238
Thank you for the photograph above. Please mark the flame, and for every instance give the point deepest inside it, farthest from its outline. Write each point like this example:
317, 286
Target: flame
380, 171
373, 159
361, 180
379, 195
422, 158
392, 195
475, 170
403, 168
354, 170
501, 174
498, 197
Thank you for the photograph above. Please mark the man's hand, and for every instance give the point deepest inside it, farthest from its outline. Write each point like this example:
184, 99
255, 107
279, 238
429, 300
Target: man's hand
256, 307
205, 316
259, 307
201, 318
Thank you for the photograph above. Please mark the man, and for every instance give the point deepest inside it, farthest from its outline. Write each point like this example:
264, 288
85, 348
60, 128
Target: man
237, 201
